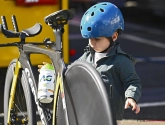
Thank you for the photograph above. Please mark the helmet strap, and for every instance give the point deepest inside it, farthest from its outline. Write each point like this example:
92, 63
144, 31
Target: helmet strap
111, 41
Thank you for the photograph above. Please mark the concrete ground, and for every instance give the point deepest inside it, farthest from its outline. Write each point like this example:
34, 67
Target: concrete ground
135, 122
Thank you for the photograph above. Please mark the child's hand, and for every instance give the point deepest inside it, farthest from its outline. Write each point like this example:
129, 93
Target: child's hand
40, 66
131, 103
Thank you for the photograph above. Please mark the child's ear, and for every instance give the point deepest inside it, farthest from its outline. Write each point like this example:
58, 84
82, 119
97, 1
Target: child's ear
114, 36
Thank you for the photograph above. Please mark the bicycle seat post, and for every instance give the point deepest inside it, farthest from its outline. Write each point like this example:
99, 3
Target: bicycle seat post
58, 33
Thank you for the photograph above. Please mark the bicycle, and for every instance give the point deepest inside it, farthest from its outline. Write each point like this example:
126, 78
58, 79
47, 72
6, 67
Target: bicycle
71, 90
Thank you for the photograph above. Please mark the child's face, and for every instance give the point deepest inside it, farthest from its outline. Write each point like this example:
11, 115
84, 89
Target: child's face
99, 44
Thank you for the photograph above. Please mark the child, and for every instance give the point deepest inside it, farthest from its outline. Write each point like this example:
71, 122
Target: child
101, 24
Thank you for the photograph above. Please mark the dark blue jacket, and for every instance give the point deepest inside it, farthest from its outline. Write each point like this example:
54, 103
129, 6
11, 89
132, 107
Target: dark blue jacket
117, 70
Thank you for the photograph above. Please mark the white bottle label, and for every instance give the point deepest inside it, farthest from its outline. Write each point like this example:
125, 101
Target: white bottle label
46, 86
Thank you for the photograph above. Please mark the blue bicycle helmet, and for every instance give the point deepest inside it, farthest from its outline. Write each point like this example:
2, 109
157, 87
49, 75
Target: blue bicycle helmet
101, 20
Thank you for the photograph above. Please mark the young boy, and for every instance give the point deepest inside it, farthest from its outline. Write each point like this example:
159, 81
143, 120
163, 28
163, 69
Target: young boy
102, 24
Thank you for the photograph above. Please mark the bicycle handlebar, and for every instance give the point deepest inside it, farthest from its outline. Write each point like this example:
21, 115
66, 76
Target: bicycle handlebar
56, 21
4, 23
34, 43
33, 31
14, 22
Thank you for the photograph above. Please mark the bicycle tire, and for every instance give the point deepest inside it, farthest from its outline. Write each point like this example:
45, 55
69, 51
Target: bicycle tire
23, 86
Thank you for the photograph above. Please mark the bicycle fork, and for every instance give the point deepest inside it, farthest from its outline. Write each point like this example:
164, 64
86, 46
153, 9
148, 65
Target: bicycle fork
13, 89
60, 85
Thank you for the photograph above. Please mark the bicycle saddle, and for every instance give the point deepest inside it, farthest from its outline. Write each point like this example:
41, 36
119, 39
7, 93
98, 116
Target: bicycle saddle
33, 31
60, 17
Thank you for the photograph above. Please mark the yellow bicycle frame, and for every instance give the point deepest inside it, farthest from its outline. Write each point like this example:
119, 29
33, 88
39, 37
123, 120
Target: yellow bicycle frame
13, 89
59, 86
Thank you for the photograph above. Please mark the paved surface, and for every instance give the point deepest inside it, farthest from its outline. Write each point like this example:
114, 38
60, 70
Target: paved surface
135, 122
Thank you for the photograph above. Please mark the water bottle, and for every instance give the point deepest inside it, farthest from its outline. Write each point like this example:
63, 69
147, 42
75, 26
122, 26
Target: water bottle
46, 83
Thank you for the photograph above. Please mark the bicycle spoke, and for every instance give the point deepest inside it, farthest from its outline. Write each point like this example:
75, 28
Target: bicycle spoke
18, 95
20, 111
19, 106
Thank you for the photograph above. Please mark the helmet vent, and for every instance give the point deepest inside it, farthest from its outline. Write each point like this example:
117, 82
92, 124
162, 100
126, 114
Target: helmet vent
92, 14
102, 10
81, 27
86, 13
94, 7
89, 28
104, 4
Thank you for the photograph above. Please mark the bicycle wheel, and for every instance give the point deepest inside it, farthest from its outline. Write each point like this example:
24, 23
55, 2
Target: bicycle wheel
86, 97
24, 109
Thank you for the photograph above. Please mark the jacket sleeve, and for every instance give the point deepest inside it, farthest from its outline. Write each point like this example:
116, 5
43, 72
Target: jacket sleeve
81, 58
130, 79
